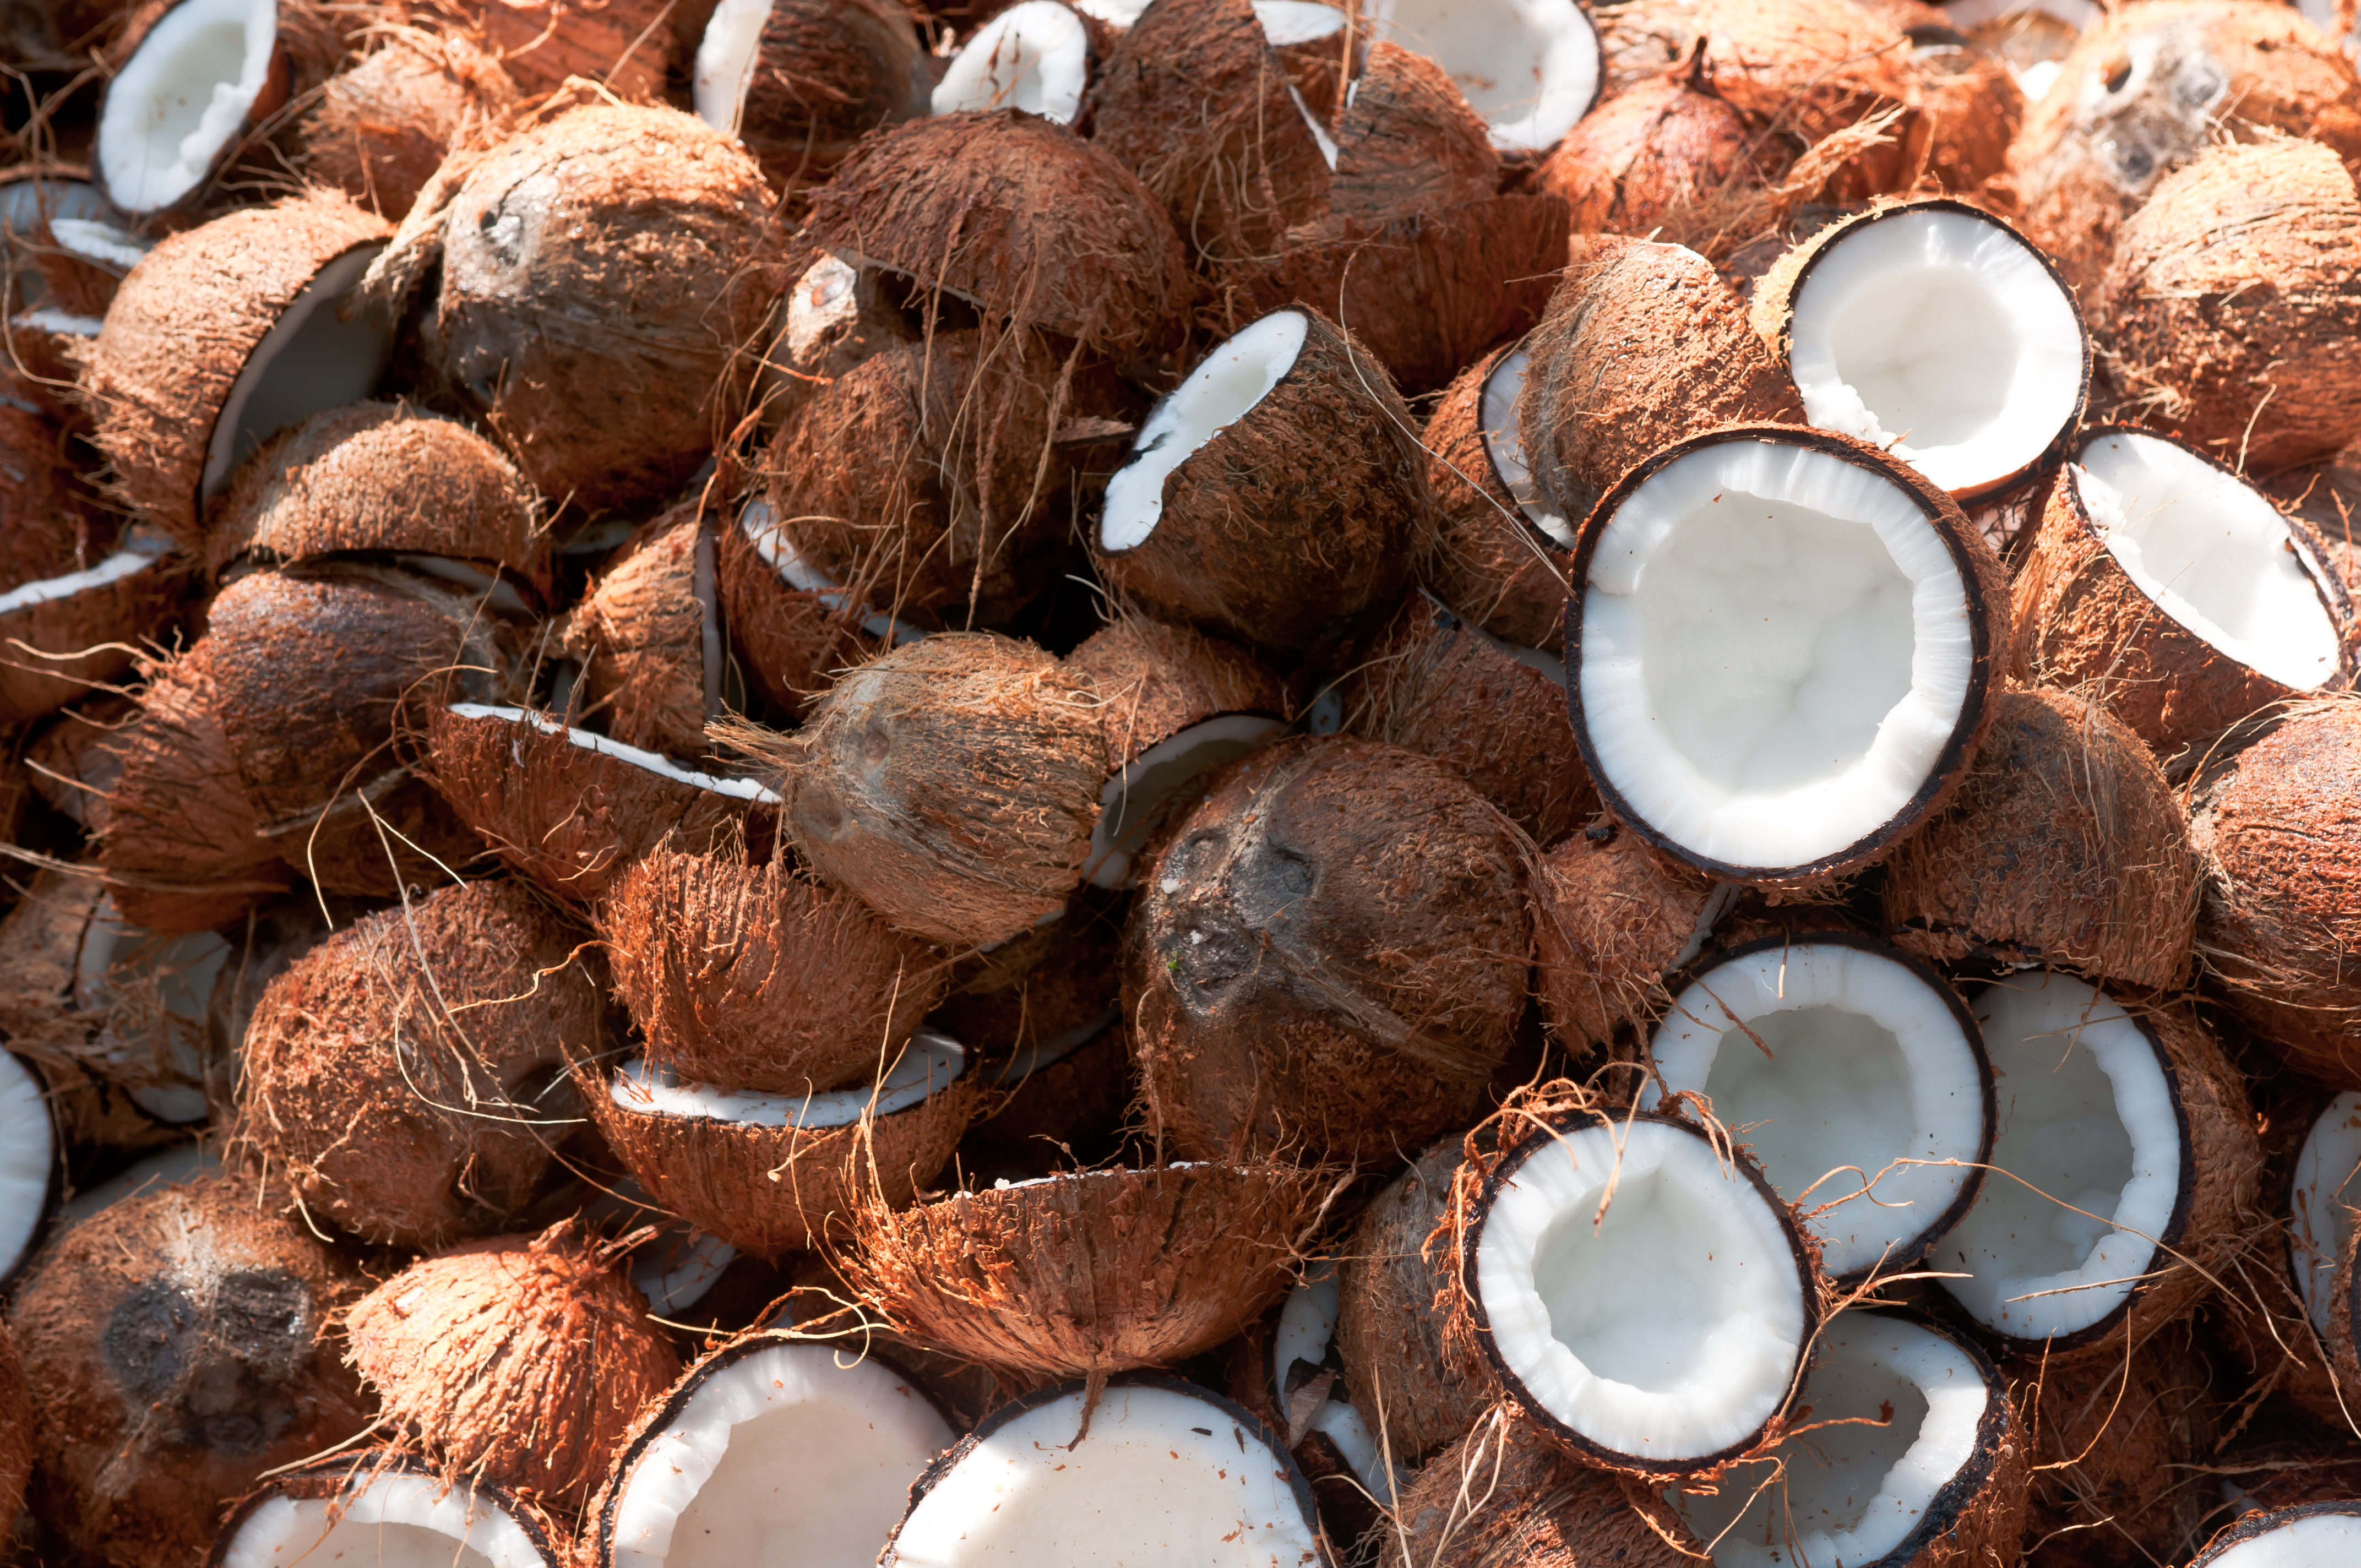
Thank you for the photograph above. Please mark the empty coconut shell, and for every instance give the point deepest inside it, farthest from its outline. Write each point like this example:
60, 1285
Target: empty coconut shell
384, 126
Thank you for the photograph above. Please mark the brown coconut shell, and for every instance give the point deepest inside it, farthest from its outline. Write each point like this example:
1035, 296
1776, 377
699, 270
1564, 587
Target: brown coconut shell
837, 316
397, 1078
2118, 1449
1664, 144
647, 637
1330, 954
789, 641
623, 44
2081, 622
826, 74
1408, 143
2063, 846
383, 126
1298, 518
181, 328
1545, 1510
1976, 108
178, 1344
1088, 1273
53, 525
1489, 562
2260, 377
1155, 680
70, 762
1611, 918
518, 1360
16, 1430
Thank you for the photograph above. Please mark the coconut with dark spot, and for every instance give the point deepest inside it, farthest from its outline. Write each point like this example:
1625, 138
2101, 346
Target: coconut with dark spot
1390, 1330
1611, 918
1664, 144
1491, 561
823, 74
402, 1078
382, 127
178, 1344
2116, 1446
649, 637
624, 44
1547, 1510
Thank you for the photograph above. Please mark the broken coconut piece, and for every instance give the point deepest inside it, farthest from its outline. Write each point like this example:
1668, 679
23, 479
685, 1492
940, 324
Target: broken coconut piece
1785, 646
1854, 1074
1060, 1476
62, 636
1531, 67
799, 81
1035, 56
31, 1177
203, 77
2314, 1535
1499, 555
387, 1509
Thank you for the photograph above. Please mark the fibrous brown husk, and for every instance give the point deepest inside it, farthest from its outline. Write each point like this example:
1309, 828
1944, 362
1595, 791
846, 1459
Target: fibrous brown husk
1408, 143
2064, 847
789, 641
518, 1360
828, 72
754, 977
646, 637
384, 126
1976, 108
623, 44
837, 316
1664, 144
2147, 89
16, 1440
1331, 953
398, 1076
2118, 1446
2254, 376
70, 762
178, 1344
1611, 918
1539, 1508
1489, 561
1154, 681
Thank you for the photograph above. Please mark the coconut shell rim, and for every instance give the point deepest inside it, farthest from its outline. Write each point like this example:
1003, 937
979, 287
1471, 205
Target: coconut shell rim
324, 1478
2239, 1532
53, 1194
1484, 369
278, 66
604, 1074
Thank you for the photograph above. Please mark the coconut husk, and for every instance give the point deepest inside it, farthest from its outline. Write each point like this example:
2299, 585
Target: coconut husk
624, 45
1330, 954
1505, 1497
2145, 89
181, 328
397, 1077
2118, 1446
1061, 1108
1155, 680
2063, 847
2253, 377
16, 1438
517, 1360
2083, 622
1030, 223
1665, 143
789, 641
1408, 143
1087, 1273
951, 784
383, 126
826, 74
385, 478
1976, 109
52, 525
1489, 562
1611, 918
837, 316
334, 1480
1297, 519
646, 637
177, 1345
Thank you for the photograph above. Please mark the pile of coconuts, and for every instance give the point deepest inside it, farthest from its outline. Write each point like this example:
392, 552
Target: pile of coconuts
1226, 782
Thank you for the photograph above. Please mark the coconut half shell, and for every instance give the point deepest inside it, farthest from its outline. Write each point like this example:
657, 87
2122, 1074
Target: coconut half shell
63, 636
1491, 561
1611, 918
16, 1431
1547, 1509
383, 126
1408, 143
649, 637
1155, 681
790, 637
392, 1502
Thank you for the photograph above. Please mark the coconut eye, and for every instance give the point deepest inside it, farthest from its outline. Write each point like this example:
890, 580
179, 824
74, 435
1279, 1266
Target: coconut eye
2118, 74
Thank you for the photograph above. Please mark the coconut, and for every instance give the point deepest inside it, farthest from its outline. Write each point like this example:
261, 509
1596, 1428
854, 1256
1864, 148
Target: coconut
70, 762
2315, 1533
1330, 955
1278, 494
1498, 556
177, 1346
16, 1440
758, 977
1033, 56
2118, 1445
1611, 918
799, 81
1530, 71
650, 638
625, 44
384, 126
518, 1360
2278, 1309
402, 1078
1505, 1493
1319, 47
1977, 107
2251, 614
837, 316
608, 388
1666, 144
61, 259
386, 1508
30, 1179
778, 1173
1288, 1376
791, 626
1407, 143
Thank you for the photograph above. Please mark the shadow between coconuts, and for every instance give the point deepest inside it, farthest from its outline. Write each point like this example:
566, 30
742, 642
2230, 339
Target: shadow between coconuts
323, 1481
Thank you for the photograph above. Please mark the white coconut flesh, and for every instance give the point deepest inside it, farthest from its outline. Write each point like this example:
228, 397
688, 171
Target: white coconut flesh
1134, 802
1665, 1329
606, 746
388, 1520
1910, 1402
2321, 1201
311, 359
182, 98
2085, 1162
1164, 1477
2331, 1538
1292, 24
761, 525
1035, 56
1941, 337
155, 990
1223, 388
726, 56
496, 591
38, 212
2212, 552
1506, 448
94, 240
1775, 649
1529, 67
139, 553
27, 1159
61, 323
1307, 1325
1113, 12
929, 1064
1842, 1069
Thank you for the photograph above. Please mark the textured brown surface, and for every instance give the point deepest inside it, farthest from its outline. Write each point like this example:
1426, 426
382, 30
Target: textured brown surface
1075, 1100
1389, 1329
97, 626
1610, 917
382, 127
1976, 109
2116, 1447
788, 642
1664, 144
828, 72
1035, 987
17, 1435
540, 43
1154, 681
1541, 1509
641, 635
1408, 143
1488, 563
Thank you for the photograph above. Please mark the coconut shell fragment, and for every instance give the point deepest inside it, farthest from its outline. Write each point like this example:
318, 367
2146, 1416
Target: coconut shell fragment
17, 1432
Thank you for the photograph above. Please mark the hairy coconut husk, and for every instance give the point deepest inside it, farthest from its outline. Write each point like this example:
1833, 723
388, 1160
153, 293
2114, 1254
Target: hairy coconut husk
789, 641
49, 524
2083, 621
951, 784
1154, 681
2118, 1446
1089, 1272
837, 316
1331, 953
1299, 517
597, 325
2257, 376
518, 1360
179, 1344
2063, 846
16, 1438
646, 637
1665, 143
1611, 918
383, 126
1408, 143
623, 44
1033, 225
827, 73
1489, 562
1976, 108
1539, 1508
398, 1076
2145, 89
754, 977
181, 328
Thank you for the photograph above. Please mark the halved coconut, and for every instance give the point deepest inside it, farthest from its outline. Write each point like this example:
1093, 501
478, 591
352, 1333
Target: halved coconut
778, 1173
1407, 143
61, 257
800, 81
2178, 593
1911, 1455
1320, 47
31, 1175
1530, 66
2316, 1535
1276, 494
765, 1442
387, 1509
62, 636
2320, 1203
1853, 1073
1785, 647
792, 626
1637, 1290
382, 127
1611, 918
1150, 1469
402, 1079
1035, 56
2124, 1158
1329, 957
1507, 1493
1500, 549
624, 45
649, 635
202, 76
2118, 1443
1658, 152
1933, 331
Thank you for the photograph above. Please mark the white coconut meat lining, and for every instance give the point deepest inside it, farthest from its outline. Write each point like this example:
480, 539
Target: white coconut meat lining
606, 746
725, 57
2090, 1169
2320, 1203
182, 98
773, 1453
1302, 1351
2318, 1535
29, 1162
1529, 67
2212, 552
929, 1064
394, 1518
1842, 1064
1035, 56
758, 523
1936, 334
141, 551
1774, 653
1921, 1422
1167, 1473
1661, 1333
1504, 447
1134, 802
1223, 388
314, 358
